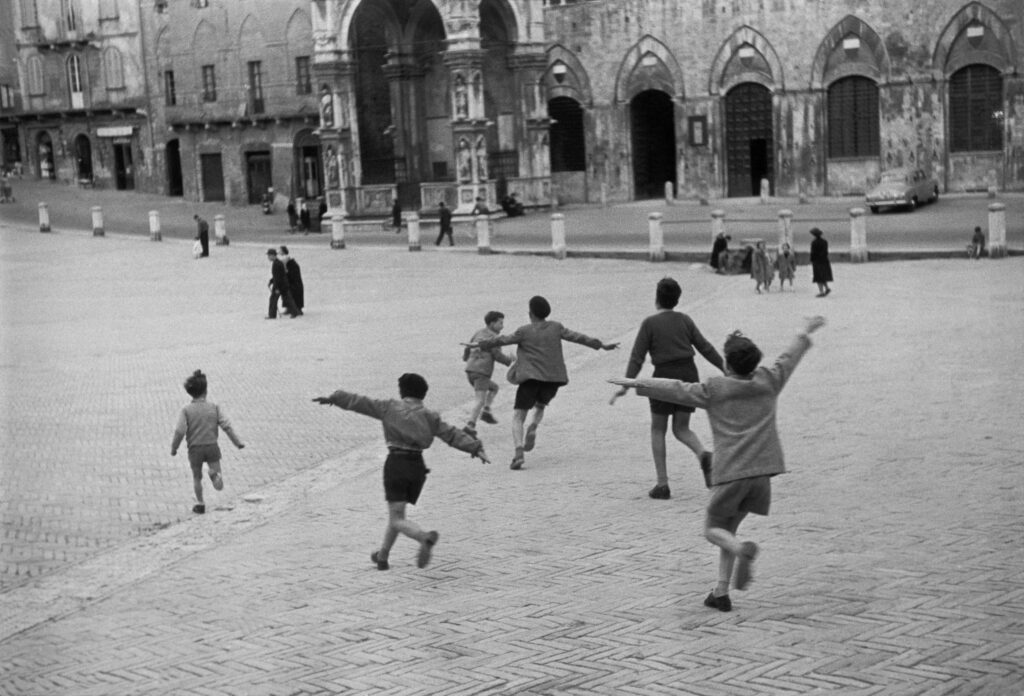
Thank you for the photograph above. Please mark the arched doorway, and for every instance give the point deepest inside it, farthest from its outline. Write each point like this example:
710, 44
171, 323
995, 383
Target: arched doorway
748, 139
373, 92
175, 182
44, 150
307, 175
83, 158
652, 121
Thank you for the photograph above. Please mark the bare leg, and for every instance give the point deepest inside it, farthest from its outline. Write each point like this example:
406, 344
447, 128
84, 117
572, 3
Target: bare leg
518, 420
197, 485
478, 407
681, 431
725, 539
659, 426
398, 524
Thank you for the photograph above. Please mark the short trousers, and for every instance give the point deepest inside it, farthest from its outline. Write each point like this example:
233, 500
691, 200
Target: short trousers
744, 495
201, 454
481, 382
684, 370
404, 476
533, 392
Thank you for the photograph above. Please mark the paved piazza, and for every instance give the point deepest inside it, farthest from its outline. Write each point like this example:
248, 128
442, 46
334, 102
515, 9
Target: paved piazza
890, 563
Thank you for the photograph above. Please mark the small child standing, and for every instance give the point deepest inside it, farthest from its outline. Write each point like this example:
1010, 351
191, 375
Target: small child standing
197, 424
741, 409
480, 368
785, 264
761, 268
409, 428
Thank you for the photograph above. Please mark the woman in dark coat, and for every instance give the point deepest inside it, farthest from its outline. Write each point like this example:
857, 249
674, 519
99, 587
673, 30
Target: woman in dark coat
721, 244
820, 266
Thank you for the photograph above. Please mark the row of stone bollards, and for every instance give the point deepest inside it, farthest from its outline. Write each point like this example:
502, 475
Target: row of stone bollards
98, 230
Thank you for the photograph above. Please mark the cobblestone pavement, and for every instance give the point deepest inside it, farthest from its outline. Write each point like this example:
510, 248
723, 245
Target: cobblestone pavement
890, 563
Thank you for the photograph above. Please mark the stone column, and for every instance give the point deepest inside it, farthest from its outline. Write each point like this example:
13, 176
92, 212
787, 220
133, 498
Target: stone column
996, 231
220, 230
97, 221
44, 217
338, 231
407, 115
858, 236
337, 132
412, 223
786, 228
483, 234
528, 63
670, 196
657, 237
558, 247
469, 128
154, 226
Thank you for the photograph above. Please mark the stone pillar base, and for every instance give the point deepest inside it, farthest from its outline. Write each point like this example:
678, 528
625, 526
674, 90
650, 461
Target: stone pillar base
997, 252
859, 255
337, 244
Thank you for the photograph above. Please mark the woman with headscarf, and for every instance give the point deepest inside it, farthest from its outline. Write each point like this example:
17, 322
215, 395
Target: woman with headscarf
820, 267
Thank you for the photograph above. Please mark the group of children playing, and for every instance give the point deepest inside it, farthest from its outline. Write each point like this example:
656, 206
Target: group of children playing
740, 405
763, 267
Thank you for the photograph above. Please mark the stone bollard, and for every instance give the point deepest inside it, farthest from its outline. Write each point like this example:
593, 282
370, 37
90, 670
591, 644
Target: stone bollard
220, 230
604, 194
996, 230
992, 191
338, 231
858, 236
786, 228
558, 236
483, 234
657, 238
44, 217
97, 221
717, 223
412, 223
670, 193
154, 226
765, 188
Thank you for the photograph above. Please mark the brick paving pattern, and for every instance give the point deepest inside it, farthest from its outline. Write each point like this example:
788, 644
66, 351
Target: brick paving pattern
890, 563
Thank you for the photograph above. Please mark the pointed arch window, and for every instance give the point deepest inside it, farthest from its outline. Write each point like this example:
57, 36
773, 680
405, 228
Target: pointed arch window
34, 69
113, 68
976, 109
853, 118
74, 67
568, 148
69, 13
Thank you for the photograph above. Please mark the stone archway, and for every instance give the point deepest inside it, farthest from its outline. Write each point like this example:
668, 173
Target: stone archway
83, 158
652, 128
748, 138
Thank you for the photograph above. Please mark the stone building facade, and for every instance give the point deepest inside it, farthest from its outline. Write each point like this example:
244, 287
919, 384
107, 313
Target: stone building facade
816, 96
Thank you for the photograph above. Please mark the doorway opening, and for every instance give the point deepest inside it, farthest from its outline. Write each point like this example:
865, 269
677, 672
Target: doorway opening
748, 135
652, 121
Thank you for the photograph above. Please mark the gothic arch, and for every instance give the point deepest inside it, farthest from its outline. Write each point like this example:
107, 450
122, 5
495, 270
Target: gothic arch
649, 64
575, 83
163, 52
346, 19
250, 38
297, 33
951, 53
872, 60
720, 82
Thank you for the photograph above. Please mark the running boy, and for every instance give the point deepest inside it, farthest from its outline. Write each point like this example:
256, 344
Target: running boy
409, 428
672, 339
540, 369
741, 409
197, 424
480, 367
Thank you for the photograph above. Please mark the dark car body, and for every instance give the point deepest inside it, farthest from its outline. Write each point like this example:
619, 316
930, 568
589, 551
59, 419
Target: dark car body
902, 188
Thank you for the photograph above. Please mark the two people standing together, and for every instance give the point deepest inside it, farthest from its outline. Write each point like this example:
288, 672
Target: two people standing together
285, 284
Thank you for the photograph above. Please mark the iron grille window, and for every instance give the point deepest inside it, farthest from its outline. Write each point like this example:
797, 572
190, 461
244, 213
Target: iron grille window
209, 84
256, 86
568, 143
170, 95
6, 97
303, 81
975, 109
853, 118
503, 165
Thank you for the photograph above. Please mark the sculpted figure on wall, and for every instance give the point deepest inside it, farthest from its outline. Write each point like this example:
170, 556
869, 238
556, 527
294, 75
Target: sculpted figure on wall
465, 158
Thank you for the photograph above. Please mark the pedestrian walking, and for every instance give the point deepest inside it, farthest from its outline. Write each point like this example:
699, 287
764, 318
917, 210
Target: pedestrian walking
672, 339
6, 191
304, 222
977, 245
539, 369
821, 269
741, 408
396, 215
294, 273
409, 428
203, 234
321, 212
761, 268
445, 220
785, 264
480, 368
719, 252
198, 425
279, 287
293, 216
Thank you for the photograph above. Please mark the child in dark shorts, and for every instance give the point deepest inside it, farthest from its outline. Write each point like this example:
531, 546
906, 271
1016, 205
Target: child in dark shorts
672, 339
197, 424
409, 428
741, 410
540, 369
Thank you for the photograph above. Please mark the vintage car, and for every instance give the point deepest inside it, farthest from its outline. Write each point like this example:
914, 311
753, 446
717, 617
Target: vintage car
903, 188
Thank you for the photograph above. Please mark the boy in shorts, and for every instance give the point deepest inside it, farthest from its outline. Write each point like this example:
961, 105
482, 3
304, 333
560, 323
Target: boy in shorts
480, 367
197, 424
741, 409
409, 428
540, 369
672, 339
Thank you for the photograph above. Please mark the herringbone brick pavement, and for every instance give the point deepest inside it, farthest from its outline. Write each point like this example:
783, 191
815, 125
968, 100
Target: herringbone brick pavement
890, 562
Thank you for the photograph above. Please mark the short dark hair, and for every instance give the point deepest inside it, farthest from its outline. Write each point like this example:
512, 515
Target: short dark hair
284, 250
271, 251
412, 384
195, 385
492, 317
539, 307
741, 354
668, 293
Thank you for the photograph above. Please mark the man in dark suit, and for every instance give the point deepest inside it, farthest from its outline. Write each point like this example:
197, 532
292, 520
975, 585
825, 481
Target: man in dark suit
446, 224
279, 287
294, 273
203, 234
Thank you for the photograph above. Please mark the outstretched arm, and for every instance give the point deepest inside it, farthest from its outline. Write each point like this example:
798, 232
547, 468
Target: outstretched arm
374, 408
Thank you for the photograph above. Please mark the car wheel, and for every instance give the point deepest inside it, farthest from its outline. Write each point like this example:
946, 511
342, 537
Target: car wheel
913, 204
935, 194
874, 209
